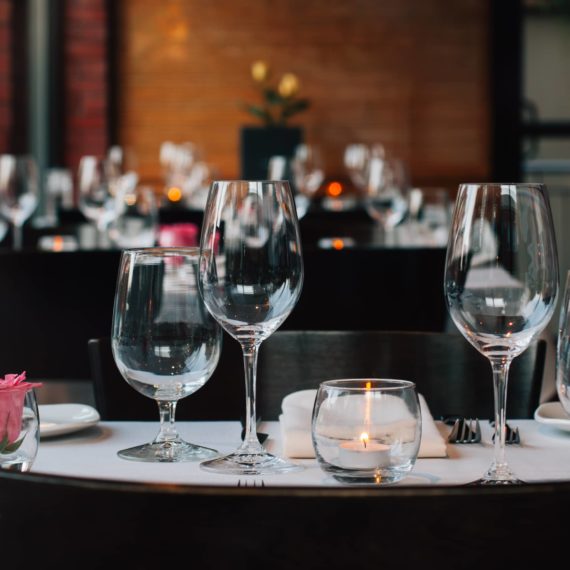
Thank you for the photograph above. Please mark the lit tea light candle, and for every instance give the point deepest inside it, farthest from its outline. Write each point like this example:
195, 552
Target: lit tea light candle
364, 454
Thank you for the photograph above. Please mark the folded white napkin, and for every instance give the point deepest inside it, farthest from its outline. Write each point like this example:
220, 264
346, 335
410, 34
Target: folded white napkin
295, 422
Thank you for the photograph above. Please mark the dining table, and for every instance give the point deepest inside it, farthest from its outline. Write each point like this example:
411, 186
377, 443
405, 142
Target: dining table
86, 507
543, 455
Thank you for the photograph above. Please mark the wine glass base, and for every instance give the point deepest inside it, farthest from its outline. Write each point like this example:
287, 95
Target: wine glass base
168, 452
498, 476
239, 463
495, 482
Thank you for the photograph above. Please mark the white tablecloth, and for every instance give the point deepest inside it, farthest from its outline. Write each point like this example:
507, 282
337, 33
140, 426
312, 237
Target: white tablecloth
543, 456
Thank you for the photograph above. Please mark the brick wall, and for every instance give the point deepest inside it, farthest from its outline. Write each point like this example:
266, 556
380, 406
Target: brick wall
411, 74
85, 79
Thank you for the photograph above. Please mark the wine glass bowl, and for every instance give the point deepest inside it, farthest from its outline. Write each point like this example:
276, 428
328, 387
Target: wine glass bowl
251, 280
19, 188
501, 283
165, 343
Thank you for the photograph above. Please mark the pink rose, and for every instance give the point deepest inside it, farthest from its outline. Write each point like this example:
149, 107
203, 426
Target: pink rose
13, 389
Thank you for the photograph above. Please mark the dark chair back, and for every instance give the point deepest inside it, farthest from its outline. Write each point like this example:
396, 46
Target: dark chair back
453, 376
110, 524
371, 289
52, 304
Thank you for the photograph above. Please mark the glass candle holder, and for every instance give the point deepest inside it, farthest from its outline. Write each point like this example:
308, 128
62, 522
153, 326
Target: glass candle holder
18, 450
367, 431
563, 349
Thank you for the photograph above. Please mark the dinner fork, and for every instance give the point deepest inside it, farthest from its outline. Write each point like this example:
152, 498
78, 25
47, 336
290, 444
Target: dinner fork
512, 436
251, 483
465, 431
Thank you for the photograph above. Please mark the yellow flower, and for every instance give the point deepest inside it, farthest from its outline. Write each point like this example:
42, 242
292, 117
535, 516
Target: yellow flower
289, 85
260, 71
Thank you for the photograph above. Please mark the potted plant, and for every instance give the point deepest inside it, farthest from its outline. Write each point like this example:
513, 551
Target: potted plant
274, 137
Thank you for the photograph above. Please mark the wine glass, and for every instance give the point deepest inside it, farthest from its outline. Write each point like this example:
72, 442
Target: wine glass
165, 343
308, 174
501, 283
19, 189
385, 192
96, 199
250, 281
136, 221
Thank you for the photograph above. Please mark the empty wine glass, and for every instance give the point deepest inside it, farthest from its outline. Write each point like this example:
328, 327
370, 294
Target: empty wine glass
501, 283
96, 199
19, 187
385, 193
250, 282
135, 223
165, 343
307, 169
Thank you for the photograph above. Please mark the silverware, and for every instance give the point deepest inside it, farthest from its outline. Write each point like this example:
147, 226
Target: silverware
250, 483
465, 431
512, 436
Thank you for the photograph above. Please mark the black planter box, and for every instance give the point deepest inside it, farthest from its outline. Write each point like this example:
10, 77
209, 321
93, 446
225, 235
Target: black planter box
259, 144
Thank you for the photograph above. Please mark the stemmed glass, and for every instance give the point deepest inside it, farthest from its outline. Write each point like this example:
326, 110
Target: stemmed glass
250, 282
165, 343
501, 283
96, 200
385, 192
19, 187
308, 174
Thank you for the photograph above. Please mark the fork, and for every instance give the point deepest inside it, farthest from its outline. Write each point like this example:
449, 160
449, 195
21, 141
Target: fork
251, 483
512, 436
465, 431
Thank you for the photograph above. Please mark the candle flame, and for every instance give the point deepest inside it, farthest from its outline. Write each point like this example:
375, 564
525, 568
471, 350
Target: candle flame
364, 438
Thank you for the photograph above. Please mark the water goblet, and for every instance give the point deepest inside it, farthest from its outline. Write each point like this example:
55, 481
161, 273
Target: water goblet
165, 343
501, 283
250, 282
19, 189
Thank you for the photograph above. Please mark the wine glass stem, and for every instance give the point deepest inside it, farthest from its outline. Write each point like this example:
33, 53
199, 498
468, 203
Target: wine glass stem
500, 377
17, 236
250, 367
168, 431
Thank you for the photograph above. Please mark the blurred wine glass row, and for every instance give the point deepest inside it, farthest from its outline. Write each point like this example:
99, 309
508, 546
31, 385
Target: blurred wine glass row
122, 210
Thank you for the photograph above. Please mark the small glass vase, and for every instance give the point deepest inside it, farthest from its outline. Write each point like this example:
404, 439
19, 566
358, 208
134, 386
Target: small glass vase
20, 454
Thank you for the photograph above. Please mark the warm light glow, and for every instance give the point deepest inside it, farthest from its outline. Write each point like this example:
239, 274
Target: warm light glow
57, 243
174, 194
368, 385
334, 189
364, 438
337, 243
130, 199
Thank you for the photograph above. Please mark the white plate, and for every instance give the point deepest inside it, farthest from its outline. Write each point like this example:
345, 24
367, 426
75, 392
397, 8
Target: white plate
553, 414
59, 419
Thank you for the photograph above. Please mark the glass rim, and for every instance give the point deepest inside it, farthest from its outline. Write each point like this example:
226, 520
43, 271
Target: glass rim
169, 250
253, 181
377, 384
498, 184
